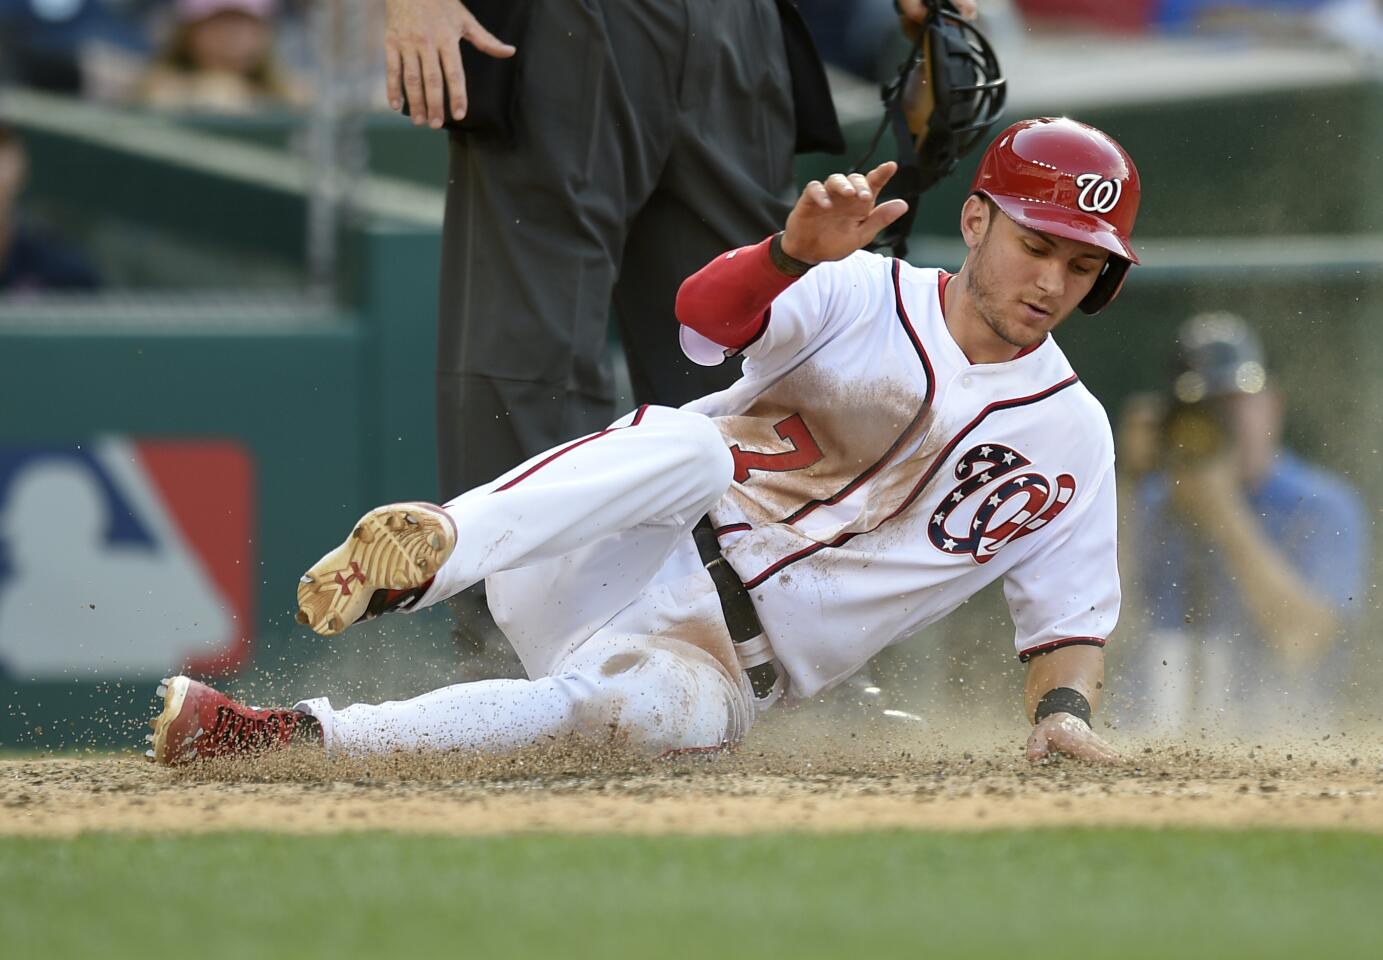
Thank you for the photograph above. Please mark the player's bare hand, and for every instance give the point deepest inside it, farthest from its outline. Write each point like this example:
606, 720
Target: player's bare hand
1062, 733
835, 217
423, 56
916, 10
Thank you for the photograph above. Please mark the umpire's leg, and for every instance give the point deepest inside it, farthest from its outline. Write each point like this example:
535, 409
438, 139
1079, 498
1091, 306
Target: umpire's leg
533, 233
525, 293
728, 182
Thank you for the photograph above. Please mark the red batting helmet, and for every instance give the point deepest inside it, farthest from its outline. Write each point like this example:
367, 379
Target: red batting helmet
1061, 177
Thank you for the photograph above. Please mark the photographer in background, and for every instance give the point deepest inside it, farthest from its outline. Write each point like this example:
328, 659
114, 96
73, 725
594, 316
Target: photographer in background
1249, 561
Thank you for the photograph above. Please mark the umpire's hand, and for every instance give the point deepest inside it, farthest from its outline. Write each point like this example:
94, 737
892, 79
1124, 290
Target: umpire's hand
422, 47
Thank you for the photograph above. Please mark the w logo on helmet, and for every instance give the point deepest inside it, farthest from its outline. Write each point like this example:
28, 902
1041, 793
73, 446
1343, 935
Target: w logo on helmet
1098, 195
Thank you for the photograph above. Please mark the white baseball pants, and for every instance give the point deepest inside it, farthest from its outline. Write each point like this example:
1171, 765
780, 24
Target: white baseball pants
591, 572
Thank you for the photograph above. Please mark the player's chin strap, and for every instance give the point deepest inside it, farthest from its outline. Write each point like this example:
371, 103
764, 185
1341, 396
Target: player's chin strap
948, 92
741, 619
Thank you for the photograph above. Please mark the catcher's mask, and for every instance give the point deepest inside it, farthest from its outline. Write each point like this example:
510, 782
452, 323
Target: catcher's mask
946, 96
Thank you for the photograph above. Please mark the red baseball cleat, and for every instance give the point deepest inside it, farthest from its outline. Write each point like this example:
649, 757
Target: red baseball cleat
387, 563
198, 721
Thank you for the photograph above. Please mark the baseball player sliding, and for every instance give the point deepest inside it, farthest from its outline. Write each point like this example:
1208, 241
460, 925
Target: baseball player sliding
900, 437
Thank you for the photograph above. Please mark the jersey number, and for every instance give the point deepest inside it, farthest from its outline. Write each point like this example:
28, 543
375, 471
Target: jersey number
804, 452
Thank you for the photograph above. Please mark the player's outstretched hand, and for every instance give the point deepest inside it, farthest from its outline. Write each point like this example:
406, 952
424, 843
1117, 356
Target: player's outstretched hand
834, 218
423, 56
1065, 734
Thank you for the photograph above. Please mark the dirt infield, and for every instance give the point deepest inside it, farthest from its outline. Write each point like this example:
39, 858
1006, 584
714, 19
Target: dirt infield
784, 780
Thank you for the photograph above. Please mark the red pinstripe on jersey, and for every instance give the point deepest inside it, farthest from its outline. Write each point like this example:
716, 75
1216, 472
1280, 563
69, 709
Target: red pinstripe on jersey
907, 432
921, 484
638, 416
1051, 645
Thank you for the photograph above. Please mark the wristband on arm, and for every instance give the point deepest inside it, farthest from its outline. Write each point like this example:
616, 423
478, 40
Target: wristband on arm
787, 265
1062, 700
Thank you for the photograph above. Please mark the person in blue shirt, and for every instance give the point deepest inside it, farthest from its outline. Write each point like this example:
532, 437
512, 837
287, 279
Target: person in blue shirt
1249, 561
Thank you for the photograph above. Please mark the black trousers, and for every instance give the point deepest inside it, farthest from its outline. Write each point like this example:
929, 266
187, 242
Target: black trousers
650, 136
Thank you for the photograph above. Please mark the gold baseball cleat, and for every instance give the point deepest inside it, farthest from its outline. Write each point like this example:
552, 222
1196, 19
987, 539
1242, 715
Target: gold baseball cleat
386, 563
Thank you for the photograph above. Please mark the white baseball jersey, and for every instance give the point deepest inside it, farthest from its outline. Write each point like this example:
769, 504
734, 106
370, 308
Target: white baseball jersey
881, 478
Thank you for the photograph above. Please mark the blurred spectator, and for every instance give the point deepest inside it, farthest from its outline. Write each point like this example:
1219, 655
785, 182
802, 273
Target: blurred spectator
1250, 561
1355, 24
1172, 15
1125, 16
31, 261
1233, 15
57, 45
1352, 23
851, 34
220, 57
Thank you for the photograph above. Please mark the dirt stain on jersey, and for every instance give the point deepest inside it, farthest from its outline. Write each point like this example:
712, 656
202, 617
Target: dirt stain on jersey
855, 423
884, 496
891, 488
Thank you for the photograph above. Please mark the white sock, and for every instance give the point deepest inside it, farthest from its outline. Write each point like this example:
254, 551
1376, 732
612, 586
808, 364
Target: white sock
653, 699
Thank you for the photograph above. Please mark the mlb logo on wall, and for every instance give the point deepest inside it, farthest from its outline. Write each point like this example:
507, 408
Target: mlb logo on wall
125, 558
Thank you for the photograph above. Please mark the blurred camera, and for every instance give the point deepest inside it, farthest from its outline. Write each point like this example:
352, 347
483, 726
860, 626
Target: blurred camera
1194, 431
1218, 357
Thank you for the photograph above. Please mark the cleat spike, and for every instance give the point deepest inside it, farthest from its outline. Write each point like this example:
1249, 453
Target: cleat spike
149, 754
306, 578
435, 542
148, 738
162, 690
410, 519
